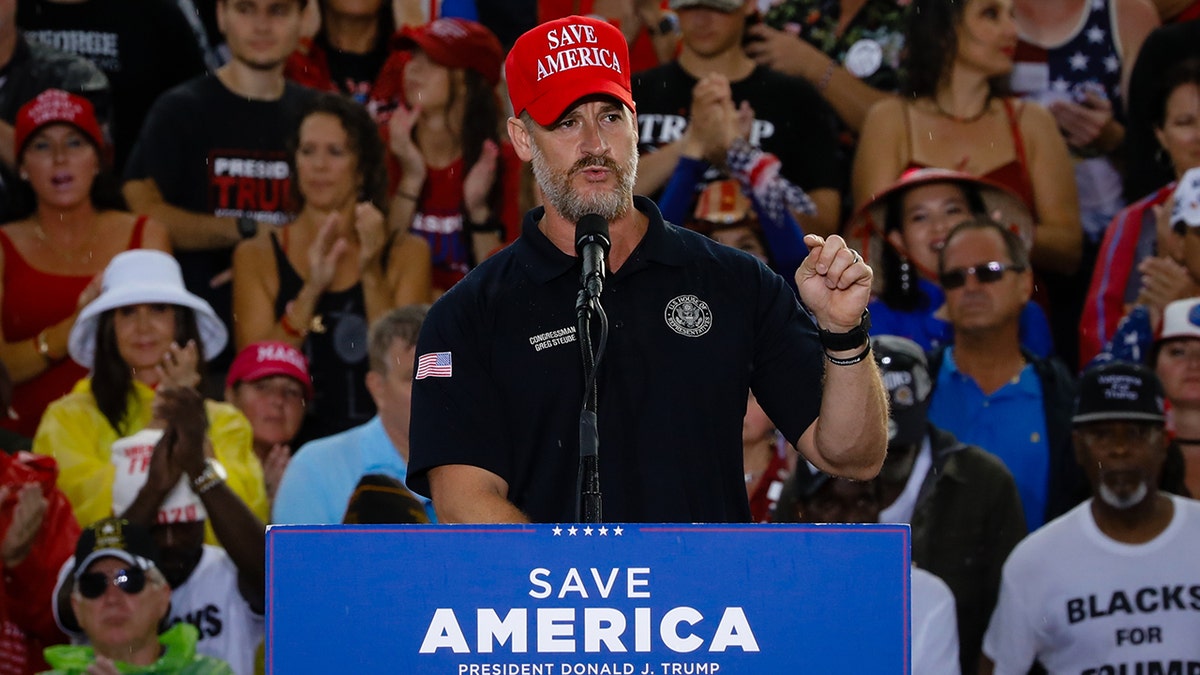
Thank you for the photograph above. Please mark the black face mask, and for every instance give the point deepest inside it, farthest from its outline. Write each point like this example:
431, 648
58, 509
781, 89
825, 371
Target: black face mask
908, 386
906, 426
906, 430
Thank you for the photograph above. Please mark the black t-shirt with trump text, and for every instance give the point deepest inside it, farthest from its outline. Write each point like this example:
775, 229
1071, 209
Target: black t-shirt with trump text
212, 151
791, 120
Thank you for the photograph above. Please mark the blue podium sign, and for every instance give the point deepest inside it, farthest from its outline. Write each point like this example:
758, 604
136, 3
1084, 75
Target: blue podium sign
588, 600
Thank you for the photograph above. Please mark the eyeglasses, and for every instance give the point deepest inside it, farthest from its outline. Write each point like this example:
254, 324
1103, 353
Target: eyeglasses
987, 273
93, 584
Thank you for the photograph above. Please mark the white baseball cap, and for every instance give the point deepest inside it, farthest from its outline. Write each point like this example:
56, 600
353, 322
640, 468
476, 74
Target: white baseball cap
1187, 200
1181, 319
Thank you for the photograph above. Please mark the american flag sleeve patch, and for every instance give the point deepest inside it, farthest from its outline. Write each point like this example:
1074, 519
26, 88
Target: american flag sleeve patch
435, 364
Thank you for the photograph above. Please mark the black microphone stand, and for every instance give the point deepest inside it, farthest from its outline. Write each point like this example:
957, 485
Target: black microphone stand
591, 244
589, 505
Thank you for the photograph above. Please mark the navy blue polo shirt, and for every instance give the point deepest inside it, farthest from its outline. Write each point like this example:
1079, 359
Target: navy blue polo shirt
694, 325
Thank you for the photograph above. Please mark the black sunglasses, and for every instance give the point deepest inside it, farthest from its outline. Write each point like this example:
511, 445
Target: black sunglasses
93, 584
987, 273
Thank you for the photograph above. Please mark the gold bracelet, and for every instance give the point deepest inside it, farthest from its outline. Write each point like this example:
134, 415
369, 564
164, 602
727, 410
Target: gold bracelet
43, 346
286, 324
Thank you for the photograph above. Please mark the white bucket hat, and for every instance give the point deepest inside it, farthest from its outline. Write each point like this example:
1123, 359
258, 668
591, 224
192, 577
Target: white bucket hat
143, 276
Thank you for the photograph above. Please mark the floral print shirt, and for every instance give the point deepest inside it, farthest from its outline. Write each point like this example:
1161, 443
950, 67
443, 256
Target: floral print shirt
872, 46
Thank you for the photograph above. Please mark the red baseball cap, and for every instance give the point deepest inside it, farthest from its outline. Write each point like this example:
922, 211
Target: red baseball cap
264, 359
53, 106
456, 43
559, 62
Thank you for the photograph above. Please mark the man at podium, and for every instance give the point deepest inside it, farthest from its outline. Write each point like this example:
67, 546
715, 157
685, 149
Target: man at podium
692, 328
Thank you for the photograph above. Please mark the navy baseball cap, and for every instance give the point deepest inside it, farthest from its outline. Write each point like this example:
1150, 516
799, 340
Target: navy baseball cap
1120, 391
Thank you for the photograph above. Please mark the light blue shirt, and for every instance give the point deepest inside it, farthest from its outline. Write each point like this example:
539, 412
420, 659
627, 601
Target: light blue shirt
321, 477
1010, 423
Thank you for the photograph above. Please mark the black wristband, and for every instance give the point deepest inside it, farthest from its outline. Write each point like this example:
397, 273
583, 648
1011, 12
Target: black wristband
851, 360
855, 337
489, 226
668, 25
247, 227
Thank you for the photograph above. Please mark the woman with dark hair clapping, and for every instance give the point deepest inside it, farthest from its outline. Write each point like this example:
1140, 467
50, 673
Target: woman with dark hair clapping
318, 282
144, 332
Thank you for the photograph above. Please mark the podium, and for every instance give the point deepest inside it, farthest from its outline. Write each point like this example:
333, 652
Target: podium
572, 599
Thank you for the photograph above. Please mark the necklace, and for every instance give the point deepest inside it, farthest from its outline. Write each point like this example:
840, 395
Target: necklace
69, 256
1187, 441
961, 119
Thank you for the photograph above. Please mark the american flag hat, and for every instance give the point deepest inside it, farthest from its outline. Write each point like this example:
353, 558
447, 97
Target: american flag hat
723, 204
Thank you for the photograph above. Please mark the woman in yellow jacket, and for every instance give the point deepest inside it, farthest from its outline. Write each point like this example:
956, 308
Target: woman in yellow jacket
143, 330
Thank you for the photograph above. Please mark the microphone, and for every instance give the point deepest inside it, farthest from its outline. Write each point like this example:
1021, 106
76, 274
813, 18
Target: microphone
591, 245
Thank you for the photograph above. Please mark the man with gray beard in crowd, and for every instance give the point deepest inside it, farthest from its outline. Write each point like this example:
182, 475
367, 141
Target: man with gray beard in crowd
1111, 586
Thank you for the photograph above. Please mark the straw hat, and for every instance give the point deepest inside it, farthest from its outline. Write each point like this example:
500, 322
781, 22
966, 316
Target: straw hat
865, 231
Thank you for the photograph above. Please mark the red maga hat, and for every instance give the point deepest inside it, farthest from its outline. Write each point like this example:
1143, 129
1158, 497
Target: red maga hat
56, 106
559, 62
456, 43
264, 359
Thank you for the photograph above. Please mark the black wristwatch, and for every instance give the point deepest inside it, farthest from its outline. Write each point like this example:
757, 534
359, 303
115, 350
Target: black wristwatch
851, 339
247, 227
668, 25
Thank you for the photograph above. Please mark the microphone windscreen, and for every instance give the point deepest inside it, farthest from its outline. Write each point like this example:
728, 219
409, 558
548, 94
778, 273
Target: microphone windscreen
591, 228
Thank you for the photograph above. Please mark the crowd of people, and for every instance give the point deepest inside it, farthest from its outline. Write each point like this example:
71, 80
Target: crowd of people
933, 262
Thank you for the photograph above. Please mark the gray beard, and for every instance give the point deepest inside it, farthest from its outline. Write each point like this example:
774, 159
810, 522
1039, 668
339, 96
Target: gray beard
557, 191
1122, 503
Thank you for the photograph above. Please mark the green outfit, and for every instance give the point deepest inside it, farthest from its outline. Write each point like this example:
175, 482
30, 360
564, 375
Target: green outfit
179, 657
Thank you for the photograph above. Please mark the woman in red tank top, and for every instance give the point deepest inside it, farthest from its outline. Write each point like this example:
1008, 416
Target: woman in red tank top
956, 117
75, 223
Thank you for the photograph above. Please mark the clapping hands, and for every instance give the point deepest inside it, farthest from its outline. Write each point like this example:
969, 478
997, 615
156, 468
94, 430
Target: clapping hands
477, 184
400, 142
715, 121
179, 366
1082, 123
183, 445
29, 512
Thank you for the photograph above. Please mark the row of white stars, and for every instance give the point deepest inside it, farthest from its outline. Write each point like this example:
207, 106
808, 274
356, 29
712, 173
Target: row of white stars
587, 531
1079, 61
